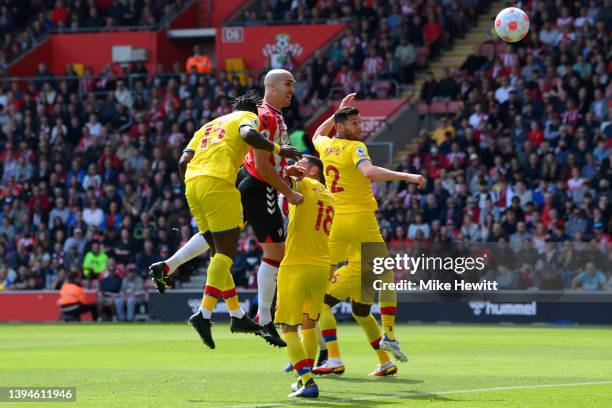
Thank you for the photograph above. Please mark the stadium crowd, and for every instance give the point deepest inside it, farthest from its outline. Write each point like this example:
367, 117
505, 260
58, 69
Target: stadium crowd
23, 24
89, 185
527, 156
384, 45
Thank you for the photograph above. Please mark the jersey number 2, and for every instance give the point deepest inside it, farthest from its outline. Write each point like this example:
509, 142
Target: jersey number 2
335, 188
329, 215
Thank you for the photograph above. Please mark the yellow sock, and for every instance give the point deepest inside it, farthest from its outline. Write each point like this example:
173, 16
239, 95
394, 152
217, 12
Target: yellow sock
311, 344
231, 297
208, 302
327, 323
216, 279
297, 356
388, 306
372, 331
387, 315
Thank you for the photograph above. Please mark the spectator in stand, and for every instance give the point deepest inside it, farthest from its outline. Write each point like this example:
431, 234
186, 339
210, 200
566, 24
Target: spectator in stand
131, 295
428, 89
406, 54
110, 287
590, 279
95, 262
198, 62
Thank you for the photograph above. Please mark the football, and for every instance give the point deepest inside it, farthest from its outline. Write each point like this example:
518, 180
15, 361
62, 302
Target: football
512, 24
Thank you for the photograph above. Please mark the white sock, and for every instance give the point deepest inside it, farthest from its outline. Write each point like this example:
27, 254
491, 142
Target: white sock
266, 285
205, 312
197, 245
334, 362
238, 313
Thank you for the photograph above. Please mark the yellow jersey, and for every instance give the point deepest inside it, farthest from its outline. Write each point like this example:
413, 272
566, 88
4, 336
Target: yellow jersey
218, 148
309, 225
352, 191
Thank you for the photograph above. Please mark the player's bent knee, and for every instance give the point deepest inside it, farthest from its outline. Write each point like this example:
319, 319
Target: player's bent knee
360, 309
330, 300
308, 323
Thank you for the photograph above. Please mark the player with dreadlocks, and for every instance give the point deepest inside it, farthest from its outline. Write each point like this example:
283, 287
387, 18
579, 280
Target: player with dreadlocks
209, 166
259, 180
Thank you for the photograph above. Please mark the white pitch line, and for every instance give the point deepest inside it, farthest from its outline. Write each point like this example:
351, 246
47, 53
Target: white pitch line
414, 395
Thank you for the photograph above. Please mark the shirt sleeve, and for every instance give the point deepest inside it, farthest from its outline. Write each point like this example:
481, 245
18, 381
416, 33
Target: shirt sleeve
320, 143
249, 119
195, 141
268, 124
359, 153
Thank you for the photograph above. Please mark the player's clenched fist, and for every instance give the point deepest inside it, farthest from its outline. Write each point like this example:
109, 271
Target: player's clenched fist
290, 152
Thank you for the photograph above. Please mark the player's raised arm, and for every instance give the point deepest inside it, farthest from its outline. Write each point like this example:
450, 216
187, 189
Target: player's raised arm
326, 127
378, 173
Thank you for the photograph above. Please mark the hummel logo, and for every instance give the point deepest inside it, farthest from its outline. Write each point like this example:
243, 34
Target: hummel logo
477, 307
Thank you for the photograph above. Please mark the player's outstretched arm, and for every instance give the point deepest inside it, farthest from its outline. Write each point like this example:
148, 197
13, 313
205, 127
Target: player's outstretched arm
378, 173
326, 127
259, 142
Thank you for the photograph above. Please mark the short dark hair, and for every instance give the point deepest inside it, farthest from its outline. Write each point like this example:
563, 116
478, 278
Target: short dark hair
343, 114
318, 164
247, 102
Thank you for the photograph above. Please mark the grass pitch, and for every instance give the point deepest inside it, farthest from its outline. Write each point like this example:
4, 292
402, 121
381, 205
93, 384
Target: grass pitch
165, 365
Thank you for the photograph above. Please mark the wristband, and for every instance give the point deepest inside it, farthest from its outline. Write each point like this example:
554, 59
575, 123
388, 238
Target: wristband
277, 149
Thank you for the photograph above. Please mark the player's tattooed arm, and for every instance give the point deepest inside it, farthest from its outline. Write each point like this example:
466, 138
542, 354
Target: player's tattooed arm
184, 161
326, 127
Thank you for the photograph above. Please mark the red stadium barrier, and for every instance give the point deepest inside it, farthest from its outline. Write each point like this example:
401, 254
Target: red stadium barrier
256, 45
34, 306
373, 112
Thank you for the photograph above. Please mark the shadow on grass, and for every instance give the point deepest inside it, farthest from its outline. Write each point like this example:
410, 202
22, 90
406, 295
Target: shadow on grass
372, 380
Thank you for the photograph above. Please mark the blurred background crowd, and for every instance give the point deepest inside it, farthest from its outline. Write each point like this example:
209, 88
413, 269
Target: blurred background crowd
88, 174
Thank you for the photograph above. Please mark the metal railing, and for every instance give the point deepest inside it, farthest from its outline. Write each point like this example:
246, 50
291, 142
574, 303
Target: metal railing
130, 80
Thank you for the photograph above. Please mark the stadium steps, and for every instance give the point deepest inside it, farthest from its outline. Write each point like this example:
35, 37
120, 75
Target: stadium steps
463, 47
452, 59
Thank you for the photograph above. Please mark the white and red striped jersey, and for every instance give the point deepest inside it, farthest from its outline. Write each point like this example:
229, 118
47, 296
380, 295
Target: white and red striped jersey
272, 126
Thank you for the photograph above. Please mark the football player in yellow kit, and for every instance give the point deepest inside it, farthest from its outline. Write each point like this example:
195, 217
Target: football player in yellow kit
303, 275
349, 173
209, 166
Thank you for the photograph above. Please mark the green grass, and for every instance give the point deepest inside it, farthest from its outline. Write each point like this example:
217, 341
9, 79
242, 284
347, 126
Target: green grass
165, 365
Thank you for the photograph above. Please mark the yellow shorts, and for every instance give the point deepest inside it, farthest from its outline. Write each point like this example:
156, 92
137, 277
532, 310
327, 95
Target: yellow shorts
214, 204
348, 233
300, 290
